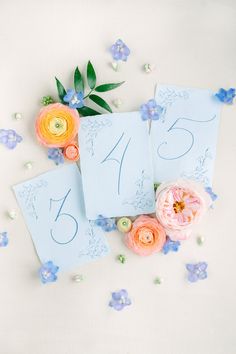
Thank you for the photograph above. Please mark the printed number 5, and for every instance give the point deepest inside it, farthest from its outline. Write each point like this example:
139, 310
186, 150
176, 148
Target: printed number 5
185, 131
60, 216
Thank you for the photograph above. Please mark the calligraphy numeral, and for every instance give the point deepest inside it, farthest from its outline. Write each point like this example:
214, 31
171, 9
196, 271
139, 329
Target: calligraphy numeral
59, 217
186, 132
118, 161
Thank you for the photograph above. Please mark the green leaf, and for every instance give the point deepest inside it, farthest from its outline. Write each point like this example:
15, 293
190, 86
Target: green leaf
78, 81
91, 76
100, 101
108, 87
86, 111
61, 90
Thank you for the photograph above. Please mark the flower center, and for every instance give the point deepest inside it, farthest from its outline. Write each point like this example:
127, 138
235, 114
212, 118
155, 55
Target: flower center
75, 100
152, 111
46, 274
120, 48
122, 300
178, 206
57, 126
11, 137
145, 235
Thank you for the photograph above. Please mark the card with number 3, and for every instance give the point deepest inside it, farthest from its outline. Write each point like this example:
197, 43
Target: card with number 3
53, 207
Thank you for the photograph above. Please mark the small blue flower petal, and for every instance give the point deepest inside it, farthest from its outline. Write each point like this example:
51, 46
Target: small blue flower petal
9, 138
226, 96
107, 224
119, 300
47, 272
197, 271
120, 51
151, 110
211, 193
3, 239
75, 99
170, 245
56, 155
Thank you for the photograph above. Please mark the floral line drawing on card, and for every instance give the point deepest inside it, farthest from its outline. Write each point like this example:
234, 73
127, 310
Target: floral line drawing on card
199, 172
92, 128
29, 194
166, 97
95, 247
141, 199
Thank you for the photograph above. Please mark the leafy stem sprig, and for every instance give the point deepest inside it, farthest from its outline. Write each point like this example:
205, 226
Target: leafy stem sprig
79, 86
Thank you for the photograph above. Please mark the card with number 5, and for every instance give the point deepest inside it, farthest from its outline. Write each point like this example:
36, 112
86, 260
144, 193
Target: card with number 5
184, 138
116, 165
53, 207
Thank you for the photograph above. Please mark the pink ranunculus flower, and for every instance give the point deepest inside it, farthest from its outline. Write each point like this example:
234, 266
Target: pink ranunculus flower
179, 206
146, 237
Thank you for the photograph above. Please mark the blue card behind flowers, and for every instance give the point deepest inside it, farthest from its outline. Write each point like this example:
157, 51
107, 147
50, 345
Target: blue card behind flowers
53, 207
116, 165
184, 138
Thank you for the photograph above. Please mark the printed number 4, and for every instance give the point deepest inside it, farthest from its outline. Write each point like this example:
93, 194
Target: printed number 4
119, 161
59, 217
185, 132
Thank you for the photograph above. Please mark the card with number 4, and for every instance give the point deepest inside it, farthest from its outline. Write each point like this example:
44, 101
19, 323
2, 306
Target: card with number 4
116, 165
53, 207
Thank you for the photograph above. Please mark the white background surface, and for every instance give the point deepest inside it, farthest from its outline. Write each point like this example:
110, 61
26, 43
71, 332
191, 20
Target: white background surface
193, 44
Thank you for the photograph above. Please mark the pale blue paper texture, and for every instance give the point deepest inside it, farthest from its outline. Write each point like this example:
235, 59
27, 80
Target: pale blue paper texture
116, 165
184, 138
53, 207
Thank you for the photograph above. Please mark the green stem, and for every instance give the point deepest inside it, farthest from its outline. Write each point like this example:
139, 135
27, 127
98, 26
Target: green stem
88, 94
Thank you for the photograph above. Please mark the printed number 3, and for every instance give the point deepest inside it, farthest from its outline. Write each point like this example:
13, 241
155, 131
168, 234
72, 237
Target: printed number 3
60, 215
185, 131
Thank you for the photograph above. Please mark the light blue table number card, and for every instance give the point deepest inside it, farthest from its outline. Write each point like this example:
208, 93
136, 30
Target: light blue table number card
184, 139
53, 207
116, 165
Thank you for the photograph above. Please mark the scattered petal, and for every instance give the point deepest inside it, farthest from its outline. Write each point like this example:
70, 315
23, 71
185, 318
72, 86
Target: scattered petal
226, 96
120, 300
158, 280
9, 138
12, 214
170, 245
211, 193
121, 258
148, 68
200, 240
28, 165
3, 239
151, 110
18, 116
120, 51
196, 271
56, 155
115, 66
107, 224
117, 102
78, 278
47, 272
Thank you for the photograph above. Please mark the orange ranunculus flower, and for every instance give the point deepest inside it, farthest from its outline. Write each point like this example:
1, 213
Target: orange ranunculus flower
146, 236
57, 125
71, 152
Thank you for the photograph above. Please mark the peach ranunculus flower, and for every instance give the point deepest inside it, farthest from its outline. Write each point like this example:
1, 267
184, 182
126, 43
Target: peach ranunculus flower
146, 236
57, 125
179, 206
